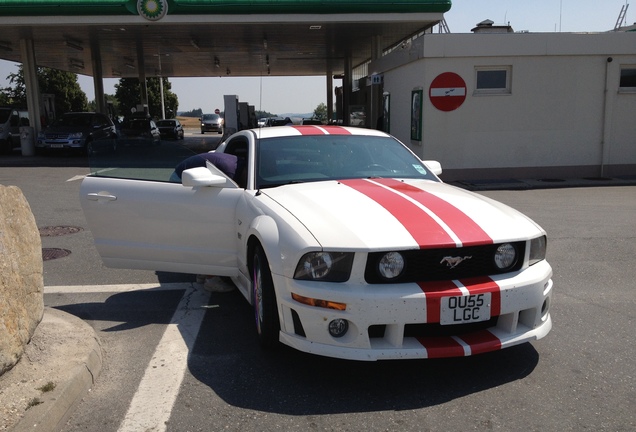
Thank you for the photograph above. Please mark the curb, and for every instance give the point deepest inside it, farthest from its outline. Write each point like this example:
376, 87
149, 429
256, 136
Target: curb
548, 183
58, 406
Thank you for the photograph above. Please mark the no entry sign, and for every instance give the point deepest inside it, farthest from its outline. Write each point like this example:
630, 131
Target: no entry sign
447, 91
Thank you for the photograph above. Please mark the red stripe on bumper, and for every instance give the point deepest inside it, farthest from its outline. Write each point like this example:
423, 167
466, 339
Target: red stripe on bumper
484, 284
434, 292
481, 342
440, 347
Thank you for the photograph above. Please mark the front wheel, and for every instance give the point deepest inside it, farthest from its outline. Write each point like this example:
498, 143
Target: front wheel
264, 299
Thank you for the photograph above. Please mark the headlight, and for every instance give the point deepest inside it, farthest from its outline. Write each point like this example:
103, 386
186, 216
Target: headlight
75, 135
538, 248
505, 256
391, 265
324, 266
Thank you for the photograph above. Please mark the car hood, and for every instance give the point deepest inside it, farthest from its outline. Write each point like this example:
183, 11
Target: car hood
68, 129
376, 214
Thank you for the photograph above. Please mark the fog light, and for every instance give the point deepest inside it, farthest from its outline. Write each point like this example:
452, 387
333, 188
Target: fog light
338, 327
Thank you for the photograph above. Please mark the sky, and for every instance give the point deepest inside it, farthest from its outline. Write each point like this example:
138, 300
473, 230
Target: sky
265, 93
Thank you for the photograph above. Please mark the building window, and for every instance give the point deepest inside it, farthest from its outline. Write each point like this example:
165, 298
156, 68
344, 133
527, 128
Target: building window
493, 80
628, 79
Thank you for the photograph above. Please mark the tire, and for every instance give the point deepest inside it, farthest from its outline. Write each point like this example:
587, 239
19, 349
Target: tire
265, 309
202, 131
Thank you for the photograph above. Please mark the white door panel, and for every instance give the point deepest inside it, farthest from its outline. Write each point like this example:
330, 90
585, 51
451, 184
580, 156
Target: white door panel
162, 226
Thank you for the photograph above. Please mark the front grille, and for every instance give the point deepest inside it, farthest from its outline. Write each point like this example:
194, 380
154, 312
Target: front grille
56, 136
435, 329
429, 265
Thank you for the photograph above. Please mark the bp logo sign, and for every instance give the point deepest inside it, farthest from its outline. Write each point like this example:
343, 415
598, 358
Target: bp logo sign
152, 10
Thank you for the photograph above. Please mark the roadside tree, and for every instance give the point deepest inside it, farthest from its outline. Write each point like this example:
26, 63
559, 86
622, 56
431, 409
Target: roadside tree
68, 94
127, 93
321, 112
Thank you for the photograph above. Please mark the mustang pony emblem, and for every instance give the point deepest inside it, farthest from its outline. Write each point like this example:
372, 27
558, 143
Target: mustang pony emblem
453, 262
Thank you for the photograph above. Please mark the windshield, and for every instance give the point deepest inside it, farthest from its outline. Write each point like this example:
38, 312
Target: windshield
73, 120
210, 117
166, 123
138, 124
296, 159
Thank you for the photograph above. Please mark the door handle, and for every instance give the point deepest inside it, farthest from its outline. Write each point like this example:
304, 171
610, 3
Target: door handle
100, 197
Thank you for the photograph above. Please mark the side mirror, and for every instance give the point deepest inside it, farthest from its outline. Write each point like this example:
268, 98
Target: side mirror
201, 176
434, 166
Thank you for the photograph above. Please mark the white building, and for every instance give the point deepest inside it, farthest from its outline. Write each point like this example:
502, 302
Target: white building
536, 104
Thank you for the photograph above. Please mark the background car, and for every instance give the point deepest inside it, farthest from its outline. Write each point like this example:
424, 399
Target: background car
83, 131
139, 132
171, 128
275, 121
311, 122
211, 123
344, 242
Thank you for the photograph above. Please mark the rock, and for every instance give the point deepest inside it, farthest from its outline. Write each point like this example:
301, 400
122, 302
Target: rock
21, 281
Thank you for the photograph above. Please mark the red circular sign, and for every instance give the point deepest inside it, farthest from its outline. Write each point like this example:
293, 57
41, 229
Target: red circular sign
447, 91
217, 111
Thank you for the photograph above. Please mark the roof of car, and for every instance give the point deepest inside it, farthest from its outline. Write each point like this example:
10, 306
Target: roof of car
296, 130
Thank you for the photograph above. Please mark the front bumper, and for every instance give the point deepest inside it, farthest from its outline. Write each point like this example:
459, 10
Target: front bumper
60, 143
399, 322
210, 127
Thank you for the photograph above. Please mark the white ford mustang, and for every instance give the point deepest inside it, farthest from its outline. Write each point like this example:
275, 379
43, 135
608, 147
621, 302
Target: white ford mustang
346, 244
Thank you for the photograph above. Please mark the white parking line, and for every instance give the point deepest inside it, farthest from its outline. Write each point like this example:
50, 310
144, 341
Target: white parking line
78, 289
152, 404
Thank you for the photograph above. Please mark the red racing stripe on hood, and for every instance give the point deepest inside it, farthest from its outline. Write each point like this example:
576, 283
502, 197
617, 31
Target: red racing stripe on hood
466, 229
423, 228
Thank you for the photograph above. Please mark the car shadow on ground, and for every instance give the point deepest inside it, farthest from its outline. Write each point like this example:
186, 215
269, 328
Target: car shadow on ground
227, 358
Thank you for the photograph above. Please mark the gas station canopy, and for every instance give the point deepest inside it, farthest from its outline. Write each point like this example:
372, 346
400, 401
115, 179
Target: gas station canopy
198, 38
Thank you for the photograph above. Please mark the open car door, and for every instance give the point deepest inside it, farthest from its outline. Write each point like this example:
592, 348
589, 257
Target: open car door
155, 224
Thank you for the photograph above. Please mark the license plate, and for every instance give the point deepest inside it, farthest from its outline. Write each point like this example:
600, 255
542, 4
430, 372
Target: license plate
465, 309
57, 145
